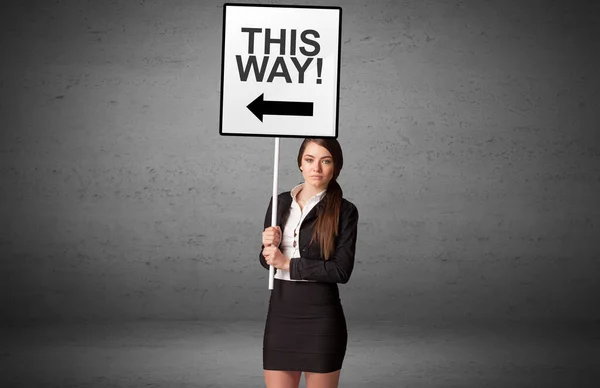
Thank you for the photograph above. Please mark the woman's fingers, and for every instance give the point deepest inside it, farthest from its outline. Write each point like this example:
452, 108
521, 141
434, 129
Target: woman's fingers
268, 240
267, 235
277, 233
272, 235
274, 230
269, 250
269, 254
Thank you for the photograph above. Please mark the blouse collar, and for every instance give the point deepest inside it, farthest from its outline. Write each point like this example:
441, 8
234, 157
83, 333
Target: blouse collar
317, 197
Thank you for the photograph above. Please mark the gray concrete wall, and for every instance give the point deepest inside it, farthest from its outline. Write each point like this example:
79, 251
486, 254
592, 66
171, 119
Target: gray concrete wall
471, 151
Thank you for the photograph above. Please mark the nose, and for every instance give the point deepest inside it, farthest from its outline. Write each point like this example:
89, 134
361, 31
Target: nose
317, 167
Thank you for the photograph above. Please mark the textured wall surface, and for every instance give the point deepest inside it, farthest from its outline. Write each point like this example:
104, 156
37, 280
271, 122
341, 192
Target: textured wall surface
470, 137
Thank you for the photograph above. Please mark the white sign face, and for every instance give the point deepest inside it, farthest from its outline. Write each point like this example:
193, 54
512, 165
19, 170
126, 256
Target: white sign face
280, 71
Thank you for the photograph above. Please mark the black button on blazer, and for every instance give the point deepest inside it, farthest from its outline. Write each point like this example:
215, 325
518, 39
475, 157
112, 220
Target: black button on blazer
311, 265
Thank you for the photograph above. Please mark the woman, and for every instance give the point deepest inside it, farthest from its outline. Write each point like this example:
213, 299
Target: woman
312, 249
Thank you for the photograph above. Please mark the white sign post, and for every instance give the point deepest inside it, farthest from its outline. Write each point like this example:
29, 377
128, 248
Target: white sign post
280, 74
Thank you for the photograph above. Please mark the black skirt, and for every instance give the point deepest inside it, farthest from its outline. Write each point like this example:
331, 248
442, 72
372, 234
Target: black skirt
305, 328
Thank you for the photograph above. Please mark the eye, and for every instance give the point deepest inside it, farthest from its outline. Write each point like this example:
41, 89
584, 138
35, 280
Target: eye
308, 160
327, 161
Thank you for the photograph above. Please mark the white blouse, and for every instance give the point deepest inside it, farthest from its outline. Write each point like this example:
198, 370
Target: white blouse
293, 223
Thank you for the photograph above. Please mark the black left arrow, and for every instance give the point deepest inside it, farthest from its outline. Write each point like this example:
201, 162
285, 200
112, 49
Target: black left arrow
261, 107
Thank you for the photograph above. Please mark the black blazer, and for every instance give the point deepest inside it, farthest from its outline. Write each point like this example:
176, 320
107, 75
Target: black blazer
311, 265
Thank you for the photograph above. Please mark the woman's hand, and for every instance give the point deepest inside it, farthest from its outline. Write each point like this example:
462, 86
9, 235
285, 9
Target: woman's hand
274, 257
271, 236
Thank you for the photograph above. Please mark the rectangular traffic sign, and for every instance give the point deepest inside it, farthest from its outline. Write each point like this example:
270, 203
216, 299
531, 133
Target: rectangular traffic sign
280, 70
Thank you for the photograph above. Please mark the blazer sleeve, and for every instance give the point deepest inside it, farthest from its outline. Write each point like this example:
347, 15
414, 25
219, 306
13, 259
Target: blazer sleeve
261, 257
340, 265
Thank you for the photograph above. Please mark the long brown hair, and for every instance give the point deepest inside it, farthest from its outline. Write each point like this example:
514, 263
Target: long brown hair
326, 225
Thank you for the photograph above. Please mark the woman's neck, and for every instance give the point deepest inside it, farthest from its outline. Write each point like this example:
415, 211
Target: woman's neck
308, 191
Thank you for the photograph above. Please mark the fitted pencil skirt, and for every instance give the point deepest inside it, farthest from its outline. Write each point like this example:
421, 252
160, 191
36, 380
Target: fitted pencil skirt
305, 328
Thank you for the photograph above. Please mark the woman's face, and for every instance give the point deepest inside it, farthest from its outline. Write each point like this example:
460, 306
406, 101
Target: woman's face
317, 166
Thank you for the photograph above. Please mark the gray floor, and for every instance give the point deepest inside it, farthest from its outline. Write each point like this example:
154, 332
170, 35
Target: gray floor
228, 354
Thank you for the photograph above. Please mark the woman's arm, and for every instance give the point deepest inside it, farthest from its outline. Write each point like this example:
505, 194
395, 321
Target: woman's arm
340, 265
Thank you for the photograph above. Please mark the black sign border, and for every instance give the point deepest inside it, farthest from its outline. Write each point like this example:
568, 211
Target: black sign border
337, 108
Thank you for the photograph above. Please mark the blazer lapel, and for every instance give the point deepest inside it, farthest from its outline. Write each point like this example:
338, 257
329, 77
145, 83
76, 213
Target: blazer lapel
283, 207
